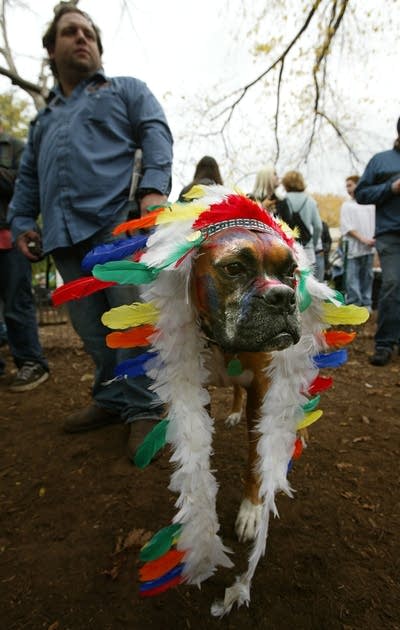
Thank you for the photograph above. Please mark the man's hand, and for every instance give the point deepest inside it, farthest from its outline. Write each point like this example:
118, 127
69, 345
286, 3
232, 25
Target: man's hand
30, 245
153, 199
396, 187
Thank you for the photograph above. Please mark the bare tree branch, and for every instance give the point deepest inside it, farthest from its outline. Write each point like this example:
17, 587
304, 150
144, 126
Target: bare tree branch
243, 91
321, 55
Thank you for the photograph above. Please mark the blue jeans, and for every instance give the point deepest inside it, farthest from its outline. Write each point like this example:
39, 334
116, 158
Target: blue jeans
19, 308
388, 330
359, 278
130, 397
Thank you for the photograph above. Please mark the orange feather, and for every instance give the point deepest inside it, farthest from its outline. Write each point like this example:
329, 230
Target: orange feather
135, 224
156, 568
138, 336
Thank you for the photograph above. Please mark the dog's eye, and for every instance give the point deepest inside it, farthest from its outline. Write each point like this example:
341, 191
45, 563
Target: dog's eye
234, 269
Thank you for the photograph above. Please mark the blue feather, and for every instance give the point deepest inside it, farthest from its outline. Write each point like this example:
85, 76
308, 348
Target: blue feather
146, 586
331, 359
134, 367
115, 250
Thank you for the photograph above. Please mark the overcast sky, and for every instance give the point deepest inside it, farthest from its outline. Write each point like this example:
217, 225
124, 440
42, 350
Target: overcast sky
187, 52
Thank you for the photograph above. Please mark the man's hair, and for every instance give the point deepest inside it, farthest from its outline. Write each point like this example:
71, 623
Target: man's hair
353, 178
293, 181
49, 38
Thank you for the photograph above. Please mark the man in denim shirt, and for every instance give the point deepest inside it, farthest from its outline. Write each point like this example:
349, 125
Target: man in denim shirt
76, 171
380, 185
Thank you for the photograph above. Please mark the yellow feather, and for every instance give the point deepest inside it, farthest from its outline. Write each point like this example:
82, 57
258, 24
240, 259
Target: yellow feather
309, 418
195, 192
180, 212
345, 314
130, 315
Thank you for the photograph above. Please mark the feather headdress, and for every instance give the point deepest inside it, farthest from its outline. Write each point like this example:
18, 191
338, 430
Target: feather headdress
190, 549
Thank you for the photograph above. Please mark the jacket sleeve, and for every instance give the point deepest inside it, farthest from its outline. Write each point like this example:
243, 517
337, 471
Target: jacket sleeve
152, 134
25, 205
368, 192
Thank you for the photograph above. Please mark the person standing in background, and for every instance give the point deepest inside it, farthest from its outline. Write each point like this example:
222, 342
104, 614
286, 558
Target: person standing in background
302, 204
380, 185
76, 171
206, 172
18, 306
265, 192
357, 226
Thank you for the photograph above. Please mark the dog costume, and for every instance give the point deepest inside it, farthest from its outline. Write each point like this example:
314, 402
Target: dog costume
161, 260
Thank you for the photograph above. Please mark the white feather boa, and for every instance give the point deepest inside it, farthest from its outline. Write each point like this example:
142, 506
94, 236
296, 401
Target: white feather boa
179, 379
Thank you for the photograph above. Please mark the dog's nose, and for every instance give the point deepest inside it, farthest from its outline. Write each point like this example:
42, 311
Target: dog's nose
281, 297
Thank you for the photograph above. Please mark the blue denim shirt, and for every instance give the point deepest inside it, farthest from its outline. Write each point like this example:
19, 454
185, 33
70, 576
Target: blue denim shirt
76, 168
375, 186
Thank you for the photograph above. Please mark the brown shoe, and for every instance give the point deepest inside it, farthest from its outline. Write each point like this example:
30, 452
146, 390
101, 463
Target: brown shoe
90, 419
138, 430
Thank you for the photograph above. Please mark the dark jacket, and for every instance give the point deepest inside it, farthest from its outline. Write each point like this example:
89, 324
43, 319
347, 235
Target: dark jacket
10, 154
375, 187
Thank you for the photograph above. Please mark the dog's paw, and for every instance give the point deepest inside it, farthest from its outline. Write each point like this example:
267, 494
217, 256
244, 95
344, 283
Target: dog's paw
233, 419
248, 521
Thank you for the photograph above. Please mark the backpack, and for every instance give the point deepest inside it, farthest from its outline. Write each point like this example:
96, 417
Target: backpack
297, 222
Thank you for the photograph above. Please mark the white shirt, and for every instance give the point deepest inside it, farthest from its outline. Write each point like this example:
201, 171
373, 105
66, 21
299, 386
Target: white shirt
354, 216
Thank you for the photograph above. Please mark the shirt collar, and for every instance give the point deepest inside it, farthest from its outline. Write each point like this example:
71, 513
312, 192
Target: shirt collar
56, 91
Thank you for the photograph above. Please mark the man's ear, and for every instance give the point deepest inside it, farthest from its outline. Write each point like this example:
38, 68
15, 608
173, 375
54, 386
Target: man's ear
50, 52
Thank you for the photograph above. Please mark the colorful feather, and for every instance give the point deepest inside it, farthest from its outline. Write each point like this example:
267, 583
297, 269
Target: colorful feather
298, 448
134, 367
77, 289
138, 336
130, 315
331, 359
145, 222
156, 568
346, 314
161, 542
309, 418
304, 297
171, 583
163, 580
152, 443
125, 272
116, 250
311, 404
320, 384
238, 207
338, 338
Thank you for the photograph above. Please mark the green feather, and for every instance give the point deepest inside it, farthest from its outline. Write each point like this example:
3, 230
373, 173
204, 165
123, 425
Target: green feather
125, 272
161, 542
151, 444
181, 251
234, 367
303, 294
311, 404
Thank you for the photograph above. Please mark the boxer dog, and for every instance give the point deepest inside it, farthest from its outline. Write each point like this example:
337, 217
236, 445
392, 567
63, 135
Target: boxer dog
243, 289
227, 298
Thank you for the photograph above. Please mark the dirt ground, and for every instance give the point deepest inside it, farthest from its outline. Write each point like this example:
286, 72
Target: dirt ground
75, 512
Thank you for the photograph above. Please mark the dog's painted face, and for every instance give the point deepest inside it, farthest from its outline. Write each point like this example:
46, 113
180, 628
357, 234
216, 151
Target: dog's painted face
242, 286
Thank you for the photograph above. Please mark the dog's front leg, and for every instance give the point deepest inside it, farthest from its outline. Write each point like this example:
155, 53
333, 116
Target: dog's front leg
237, 406
249, 516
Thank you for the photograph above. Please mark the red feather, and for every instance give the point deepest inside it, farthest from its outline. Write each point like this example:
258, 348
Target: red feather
238, 207
77, 289
320, 384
